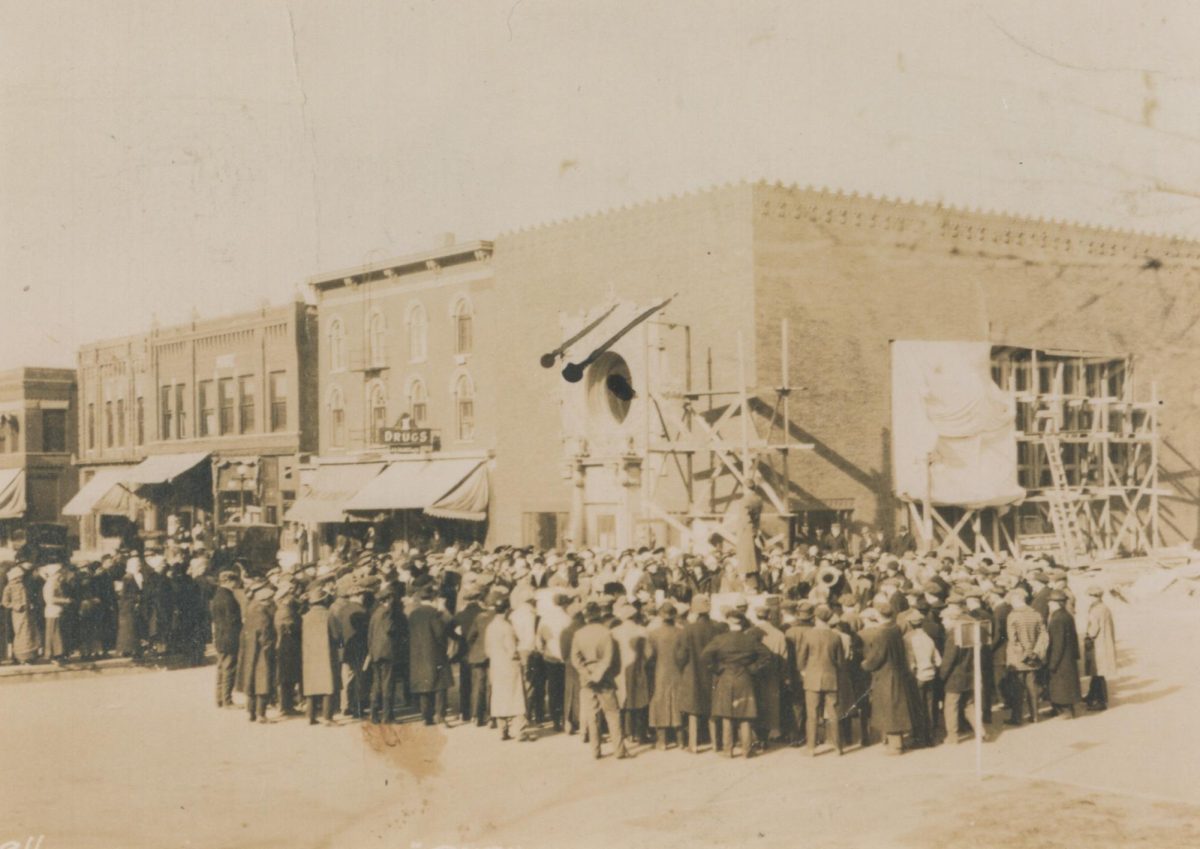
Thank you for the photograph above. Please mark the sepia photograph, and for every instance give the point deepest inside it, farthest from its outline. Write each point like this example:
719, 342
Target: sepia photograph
549, 424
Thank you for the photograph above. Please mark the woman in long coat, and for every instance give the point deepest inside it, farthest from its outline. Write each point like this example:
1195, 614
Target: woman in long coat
734, 657
665, 708
256, 654
320, 667
894, 697
1100, 650
507, 699
130, 622
16, 599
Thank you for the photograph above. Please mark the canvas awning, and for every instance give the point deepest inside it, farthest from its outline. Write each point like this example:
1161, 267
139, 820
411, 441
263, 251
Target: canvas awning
12, 493
468, 500
164, 468
422, 484
105, 493
325, 499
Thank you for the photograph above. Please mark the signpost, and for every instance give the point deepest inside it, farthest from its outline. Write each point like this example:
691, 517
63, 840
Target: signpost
972, 634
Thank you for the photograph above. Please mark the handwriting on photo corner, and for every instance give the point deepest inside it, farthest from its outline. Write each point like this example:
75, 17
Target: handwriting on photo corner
32, 841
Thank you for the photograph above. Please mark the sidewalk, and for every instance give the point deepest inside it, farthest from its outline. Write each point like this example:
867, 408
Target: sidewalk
27, 673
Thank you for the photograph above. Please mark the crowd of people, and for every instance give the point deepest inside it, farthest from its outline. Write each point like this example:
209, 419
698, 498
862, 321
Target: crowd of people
818, 646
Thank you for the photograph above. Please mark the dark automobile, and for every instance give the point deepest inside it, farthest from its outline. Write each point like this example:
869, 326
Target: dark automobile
256, 545
42, 542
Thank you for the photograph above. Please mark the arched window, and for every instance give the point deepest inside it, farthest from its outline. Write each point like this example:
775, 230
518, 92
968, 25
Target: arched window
337, 346
418, 402
337, 418
464, 406
376, 335
418, 324
378, 412
464, 331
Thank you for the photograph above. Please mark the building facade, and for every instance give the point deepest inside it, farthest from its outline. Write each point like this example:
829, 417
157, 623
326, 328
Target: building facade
405, 350
37, 440
198, 422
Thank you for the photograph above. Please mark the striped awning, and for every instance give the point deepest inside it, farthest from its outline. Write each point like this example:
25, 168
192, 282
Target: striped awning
12, 493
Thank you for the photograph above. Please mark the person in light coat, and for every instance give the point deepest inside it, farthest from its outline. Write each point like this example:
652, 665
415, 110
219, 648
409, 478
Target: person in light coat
507, 701
1100, 650
17, 599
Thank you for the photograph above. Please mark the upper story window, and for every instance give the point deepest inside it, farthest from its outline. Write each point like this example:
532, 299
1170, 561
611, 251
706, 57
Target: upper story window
464, 330
165, 431
378, 412
180, 413
91, 427
108, 424
337, 418
9, 431
140, 415
337, 346
120, 424
225, 402
418, 334
246, 392
208, 408
418, 403
376, 340
464, 404
54, 430
278, 388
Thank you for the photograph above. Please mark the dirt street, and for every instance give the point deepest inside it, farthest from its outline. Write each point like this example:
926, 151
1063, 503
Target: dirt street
145, 761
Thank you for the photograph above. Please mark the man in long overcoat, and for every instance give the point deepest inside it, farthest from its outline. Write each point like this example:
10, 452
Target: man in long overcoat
1100, 650
633, 682
349, 618
321, 670
894, 698
570, 674
256, 656
695, 678
733, 658
288, 658
381, 651
665, 710
1062, 658
227, 633
428, 662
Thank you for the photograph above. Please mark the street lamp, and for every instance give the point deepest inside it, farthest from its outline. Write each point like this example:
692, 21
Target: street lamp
243, 473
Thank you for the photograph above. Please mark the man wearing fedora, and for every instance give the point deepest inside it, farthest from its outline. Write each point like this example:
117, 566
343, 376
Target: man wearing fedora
381, 653
226, 616
321, 668
429, 663
1062, 657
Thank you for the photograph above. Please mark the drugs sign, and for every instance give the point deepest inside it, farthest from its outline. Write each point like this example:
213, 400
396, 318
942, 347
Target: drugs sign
406, 438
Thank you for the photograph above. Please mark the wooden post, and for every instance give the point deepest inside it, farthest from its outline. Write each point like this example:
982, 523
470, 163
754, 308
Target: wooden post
745, 410
1155, 539
977, 650
927, 505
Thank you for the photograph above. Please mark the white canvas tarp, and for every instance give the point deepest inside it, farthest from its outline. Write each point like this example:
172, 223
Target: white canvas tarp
953, 429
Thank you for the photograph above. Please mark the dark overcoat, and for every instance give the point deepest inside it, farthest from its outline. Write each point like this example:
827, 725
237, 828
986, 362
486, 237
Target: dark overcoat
320, 668
571, 677
256, 657
733, 658
287, 643
894, 698
428, 664
226, 621
665, 710
1062, 659
695, 677
381, 632
130, 626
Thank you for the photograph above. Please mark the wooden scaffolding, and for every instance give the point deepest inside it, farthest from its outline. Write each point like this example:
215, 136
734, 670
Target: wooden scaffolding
1087, 457
706, 446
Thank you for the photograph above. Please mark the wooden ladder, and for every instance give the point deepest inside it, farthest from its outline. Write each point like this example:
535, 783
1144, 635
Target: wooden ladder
1059, 497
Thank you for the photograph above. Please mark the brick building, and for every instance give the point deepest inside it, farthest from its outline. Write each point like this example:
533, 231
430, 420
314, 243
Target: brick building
405, 349
849, 274
203, 421
37, 439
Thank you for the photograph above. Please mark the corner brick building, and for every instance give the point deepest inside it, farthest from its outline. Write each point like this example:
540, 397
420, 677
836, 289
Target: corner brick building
849, 274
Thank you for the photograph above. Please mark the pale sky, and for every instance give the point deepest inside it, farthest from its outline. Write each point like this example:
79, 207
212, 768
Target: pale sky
159, 157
